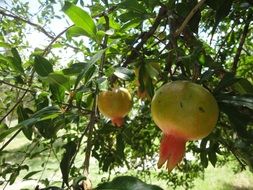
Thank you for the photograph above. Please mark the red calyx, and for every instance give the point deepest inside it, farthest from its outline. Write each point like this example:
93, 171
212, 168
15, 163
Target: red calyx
172, 150
118, 121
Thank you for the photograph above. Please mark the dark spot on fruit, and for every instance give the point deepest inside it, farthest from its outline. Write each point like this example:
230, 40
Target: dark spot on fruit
181, 104
201, 109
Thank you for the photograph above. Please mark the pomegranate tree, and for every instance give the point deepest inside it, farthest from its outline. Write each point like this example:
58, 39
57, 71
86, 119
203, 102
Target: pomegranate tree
183, 111
115, 104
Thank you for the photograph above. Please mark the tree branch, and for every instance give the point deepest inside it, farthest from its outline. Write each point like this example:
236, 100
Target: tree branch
15, 105
242, 40
106, 12
28, 89
188, 18
46, 50
12, 85
40, 28
90, 128
145, 36
104, 46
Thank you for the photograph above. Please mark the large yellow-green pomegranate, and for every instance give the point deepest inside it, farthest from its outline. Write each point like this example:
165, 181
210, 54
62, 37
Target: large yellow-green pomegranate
115, 104
183, 111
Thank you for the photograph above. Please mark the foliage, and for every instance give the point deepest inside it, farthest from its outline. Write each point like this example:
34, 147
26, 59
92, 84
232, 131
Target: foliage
52, 89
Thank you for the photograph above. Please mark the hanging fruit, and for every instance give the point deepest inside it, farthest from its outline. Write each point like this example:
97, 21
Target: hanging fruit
183, 111
115, 104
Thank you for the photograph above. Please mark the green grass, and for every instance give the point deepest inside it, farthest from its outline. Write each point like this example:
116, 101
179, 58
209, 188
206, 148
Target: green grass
219, 178
223, 178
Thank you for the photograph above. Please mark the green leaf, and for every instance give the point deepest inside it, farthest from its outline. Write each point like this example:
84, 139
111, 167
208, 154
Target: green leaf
142, 77
75, 68
212, 157
127, 183
120, 146
16, 56
47, 128
30, 174
184, 9
17, 63
207, 75
42, 100
3, 127
150, 87
242, 100
50, 112
46, 112
13, 176
238, 119
70, 150
214, 4
151, 70
124, 73
23, 115
222, 10
131, 24
5, 45
49, 121
90, 74
203, 159
226, 81
75, 31
97, 56
59, 79
42, 66
58, 93
133, 5
5, 132
102, 83
13, 63
243, 86
81, 19
89, 68
203, 144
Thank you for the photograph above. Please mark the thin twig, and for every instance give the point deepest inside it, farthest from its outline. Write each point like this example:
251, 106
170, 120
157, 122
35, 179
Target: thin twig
9, 141
12, 85
90, 129
106, 12
104, 46
144, 37
242, 40
23, 160
46, 51
224, 41
40, 28
188, 18
15, 105
93, 116
45, 164
26, 91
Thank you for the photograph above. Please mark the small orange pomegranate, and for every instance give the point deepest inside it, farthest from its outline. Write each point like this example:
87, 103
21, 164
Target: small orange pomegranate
183, 111
115, 104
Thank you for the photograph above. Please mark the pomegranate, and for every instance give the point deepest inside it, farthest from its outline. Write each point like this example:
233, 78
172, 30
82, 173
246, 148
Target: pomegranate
183, 111
115, 104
